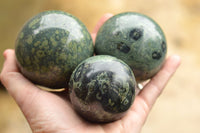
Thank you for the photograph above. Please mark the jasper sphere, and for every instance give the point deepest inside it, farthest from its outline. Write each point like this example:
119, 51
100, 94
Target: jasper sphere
102, 88
50, 46
136, 39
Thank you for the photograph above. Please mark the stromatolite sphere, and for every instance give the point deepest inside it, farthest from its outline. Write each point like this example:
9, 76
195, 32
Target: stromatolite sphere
50, 46
102, 88
136, 39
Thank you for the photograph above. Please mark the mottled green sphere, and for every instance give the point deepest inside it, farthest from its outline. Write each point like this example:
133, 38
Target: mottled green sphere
102, 88
136, 39
50, 46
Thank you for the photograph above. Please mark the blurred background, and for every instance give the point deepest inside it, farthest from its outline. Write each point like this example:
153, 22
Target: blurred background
177, 109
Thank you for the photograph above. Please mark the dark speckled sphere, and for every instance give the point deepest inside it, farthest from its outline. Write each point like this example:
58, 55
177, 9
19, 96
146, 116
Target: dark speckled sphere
102, 88
136, 39
50, 46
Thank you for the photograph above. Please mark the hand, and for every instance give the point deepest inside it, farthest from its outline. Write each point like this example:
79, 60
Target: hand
48, 112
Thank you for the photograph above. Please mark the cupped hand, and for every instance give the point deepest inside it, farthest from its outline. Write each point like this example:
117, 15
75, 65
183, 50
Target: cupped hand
49, 112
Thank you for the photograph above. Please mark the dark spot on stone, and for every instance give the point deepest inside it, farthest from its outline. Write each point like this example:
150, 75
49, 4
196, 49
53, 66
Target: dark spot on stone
123, 47
81, 93
131, 91
156, 55
77, 74
70, 86
104, 87
111, 102
163, 45
117, 33
118, 87
85, 80
136, 34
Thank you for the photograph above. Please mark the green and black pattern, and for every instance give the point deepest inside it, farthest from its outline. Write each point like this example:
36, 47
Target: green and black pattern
102, 88
50, 46
136, 39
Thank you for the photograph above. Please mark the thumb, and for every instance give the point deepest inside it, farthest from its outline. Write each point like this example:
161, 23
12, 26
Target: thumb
103, 19
41, 108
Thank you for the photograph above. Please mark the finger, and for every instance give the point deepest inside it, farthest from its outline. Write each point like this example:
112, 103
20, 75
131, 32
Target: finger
144, 101
103, 19
9, 65
154, 88
19, 87
38, 106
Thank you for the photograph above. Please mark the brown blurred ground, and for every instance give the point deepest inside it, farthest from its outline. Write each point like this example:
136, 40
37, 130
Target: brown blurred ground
177, 110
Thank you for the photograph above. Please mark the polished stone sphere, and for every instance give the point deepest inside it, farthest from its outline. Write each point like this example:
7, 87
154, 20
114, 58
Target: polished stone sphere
102, 88
50, 46
136, 39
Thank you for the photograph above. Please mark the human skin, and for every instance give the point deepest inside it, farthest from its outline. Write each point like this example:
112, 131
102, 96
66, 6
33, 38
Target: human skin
51, 112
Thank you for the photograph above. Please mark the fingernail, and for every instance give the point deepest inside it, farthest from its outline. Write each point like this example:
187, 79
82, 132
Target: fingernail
108, 15
177, 57
93, 35
5, 54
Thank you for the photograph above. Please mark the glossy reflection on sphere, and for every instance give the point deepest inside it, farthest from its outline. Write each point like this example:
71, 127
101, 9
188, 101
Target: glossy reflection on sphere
136, 39
102, 88
50, 46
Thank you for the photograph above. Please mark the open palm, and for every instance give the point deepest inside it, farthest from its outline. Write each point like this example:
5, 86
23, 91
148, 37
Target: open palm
52, 112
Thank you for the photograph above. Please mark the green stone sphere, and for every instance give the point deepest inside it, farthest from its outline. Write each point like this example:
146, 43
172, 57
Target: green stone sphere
136, 39
102, 88
50, 46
